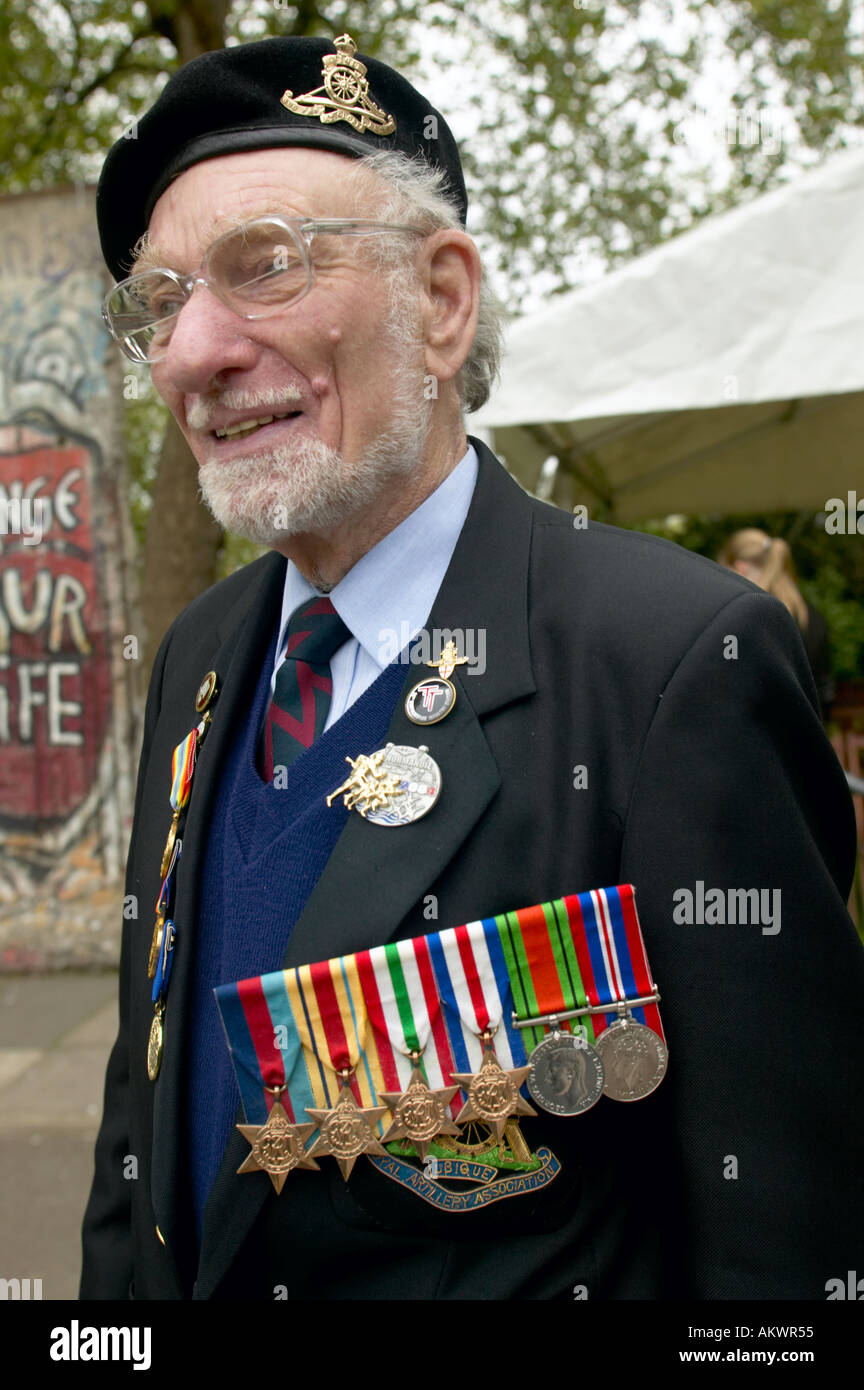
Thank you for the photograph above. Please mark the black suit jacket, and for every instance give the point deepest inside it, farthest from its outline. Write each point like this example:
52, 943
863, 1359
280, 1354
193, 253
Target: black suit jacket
740, 1176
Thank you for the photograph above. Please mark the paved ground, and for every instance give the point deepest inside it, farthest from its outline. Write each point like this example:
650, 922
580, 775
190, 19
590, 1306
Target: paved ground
56, 1031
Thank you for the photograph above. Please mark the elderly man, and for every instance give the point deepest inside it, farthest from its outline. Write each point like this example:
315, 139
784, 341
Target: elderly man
288, 230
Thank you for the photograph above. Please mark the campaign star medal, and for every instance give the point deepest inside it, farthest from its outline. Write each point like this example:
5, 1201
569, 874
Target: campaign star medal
403, 1011
344, 95
347, 1130
493, 1093
432, 699
277, 1146
393, 786
419, 1114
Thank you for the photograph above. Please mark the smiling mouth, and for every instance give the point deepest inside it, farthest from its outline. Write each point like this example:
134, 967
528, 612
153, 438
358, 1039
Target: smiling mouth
246, 427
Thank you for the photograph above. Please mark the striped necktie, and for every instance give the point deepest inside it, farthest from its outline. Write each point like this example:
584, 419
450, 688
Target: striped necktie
301, 698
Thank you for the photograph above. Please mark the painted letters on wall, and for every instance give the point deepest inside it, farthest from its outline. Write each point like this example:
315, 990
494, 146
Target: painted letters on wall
65, 698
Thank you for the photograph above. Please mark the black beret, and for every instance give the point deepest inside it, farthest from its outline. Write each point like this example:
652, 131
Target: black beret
236, 99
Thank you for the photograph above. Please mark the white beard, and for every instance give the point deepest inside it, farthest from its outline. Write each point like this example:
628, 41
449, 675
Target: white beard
309, 486
306, 485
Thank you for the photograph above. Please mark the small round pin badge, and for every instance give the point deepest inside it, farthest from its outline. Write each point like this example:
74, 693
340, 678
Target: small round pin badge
206, 692
432, 699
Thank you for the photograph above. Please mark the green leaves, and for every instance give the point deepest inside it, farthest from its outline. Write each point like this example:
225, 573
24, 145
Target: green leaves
576, 117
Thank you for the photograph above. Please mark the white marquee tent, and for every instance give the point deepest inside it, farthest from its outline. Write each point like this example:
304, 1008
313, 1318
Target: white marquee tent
720, 372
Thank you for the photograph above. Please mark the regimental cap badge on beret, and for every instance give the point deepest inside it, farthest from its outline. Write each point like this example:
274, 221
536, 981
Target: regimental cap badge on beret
344, 95
233, 101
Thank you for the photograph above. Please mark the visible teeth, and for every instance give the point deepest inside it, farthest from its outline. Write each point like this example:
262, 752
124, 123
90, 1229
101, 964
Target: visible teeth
247, 426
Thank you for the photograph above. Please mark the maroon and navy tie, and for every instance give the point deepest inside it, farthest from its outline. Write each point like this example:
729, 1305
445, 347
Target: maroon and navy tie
301, 698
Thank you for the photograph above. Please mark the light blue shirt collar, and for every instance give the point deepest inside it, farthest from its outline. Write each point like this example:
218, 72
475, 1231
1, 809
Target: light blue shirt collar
388, 595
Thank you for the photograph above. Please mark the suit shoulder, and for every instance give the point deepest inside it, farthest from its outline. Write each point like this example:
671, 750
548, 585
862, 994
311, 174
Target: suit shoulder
217, 601
630, 566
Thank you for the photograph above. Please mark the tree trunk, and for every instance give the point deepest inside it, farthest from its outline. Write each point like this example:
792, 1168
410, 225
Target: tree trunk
193, 26
182, 542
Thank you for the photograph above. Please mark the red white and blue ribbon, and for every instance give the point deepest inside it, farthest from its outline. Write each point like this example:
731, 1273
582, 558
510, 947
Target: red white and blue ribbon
435, 995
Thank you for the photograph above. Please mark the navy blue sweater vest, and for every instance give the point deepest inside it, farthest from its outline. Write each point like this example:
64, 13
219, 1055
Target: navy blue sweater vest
266, 850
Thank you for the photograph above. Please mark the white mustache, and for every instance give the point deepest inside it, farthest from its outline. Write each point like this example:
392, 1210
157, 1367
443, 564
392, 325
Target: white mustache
201, 413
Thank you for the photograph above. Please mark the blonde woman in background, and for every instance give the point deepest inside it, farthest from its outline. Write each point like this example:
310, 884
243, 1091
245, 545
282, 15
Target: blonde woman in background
767, 561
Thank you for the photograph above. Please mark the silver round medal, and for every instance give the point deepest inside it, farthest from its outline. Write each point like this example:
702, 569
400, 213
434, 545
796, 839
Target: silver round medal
417, 779
566, 1076
634, 1058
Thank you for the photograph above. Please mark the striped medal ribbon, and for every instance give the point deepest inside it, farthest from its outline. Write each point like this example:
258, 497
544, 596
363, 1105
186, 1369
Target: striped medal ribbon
629, 1037
608, 942
330, 1017
571, 959
402, 1027
182, 771
398, 985
182, 768
265, 1049
163, 942
566, 1075
474, 986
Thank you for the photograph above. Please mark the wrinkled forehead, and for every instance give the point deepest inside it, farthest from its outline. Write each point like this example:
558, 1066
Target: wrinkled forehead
216, 195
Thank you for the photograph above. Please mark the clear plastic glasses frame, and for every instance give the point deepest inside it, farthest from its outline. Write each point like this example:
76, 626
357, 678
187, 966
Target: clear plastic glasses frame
257, 269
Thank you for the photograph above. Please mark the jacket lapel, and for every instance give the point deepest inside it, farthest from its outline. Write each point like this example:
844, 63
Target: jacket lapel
376, 875
383, 872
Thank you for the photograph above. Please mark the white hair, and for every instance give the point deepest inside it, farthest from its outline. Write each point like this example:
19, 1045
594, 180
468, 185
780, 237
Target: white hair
411, 192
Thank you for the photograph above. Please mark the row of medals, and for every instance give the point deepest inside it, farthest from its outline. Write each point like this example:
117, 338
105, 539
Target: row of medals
565, 1076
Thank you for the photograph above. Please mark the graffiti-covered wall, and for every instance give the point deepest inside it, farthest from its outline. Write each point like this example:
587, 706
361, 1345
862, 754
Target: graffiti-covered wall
66, 687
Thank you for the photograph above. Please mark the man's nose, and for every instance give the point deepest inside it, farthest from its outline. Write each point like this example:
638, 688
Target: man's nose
207, 338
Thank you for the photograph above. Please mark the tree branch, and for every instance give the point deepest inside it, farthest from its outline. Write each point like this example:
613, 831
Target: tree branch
117, 66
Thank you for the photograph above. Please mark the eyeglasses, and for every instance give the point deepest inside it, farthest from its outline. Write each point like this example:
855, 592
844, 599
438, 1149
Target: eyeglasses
257, 270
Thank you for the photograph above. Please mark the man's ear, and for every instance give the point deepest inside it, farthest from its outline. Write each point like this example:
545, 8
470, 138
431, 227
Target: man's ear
451, 276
